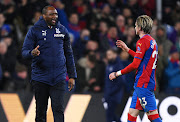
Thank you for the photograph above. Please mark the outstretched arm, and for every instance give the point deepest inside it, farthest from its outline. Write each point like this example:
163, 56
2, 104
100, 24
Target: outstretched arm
133, 66
138, 56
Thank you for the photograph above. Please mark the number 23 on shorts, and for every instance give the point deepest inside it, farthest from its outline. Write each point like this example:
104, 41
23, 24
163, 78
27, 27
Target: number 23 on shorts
143, 102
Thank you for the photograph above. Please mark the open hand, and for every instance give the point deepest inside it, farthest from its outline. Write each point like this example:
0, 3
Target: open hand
35, 52
122, 45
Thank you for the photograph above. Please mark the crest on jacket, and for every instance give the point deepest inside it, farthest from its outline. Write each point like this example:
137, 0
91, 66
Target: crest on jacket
57, 30
58, 33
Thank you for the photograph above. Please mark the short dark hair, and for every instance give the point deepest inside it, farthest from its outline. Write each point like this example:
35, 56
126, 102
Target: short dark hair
44, 10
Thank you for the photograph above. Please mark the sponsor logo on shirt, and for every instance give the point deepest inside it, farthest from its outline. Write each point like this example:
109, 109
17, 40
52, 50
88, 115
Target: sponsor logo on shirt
44, 32
139, 44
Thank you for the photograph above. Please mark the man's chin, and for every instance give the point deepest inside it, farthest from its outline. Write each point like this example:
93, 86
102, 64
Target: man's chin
52, 24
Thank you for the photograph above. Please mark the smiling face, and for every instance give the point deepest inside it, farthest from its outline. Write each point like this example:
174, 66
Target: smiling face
51, 16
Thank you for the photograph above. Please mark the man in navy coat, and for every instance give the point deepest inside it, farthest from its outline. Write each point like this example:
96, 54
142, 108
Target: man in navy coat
113, 90
47, 43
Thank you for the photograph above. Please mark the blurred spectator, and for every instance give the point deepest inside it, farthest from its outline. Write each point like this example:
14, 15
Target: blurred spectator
176, 12
154, 28
35, 18
3, 50
79, 47
113, 90
167, 15
115, 7
177, 28
74, 22
28, 8
73, 27
100, 73
130, 21
172, 72
135, 8
109, 41
5, 29
127, 12
148, 6
10, 14
163, 43
9, 60
92, 46
93, 29
20, 80
164, 46
77, 6
130, 39
124, 56
120, 23
103, 28
86, 67
173, 33
105, 15
4, 4
85, 16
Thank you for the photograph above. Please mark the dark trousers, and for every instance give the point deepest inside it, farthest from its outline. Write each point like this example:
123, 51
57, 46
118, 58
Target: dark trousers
42, 93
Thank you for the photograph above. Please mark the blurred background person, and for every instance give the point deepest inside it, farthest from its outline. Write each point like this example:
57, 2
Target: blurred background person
113, 90
87, 68
3, 50
109, 41
120, 23
164, 46
172, 72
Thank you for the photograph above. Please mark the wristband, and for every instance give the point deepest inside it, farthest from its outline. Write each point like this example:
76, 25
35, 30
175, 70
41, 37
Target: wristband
118, 73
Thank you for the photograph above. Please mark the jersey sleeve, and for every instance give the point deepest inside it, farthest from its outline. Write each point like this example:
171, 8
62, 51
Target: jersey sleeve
132, 53
140, 49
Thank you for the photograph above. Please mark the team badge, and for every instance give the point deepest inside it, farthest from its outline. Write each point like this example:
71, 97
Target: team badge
57, 30
138, 48
58, 33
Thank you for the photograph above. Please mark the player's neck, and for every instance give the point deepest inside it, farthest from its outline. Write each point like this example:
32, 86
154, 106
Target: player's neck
141, 34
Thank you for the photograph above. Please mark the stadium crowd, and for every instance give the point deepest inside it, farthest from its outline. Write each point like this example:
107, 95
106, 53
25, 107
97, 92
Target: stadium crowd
94, 26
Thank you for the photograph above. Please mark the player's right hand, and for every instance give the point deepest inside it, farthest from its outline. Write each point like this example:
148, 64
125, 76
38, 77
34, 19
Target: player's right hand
112, 76
35, 52
122, 45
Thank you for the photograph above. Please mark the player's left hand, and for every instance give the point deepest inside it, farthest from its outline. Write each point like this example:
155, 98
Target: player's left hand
112, 76
71, 83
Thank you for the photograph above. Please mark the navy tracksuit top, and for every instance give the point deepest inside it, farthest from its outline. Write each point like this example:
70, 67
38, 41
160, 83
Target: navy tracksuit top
56, 55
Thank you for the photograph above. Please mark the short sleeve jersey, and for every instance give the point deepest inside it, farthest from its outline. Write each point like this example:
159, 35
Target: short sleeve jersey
147, 52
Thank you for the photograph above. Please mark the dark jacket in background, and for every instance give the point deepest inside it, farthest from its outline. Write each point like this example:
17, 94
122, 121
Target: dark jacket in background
55, 53
114, 89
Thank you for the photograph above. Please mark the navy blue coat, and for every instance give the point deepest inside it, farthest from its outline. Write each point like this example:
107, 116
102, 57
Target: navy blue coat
114, 89
56, 55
